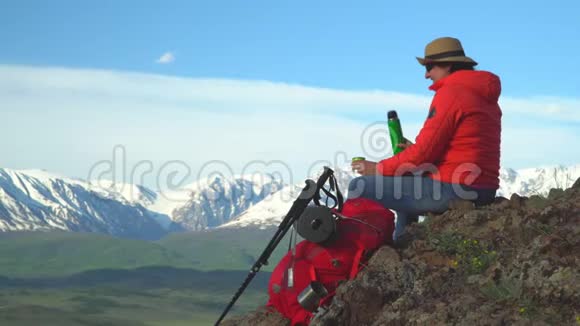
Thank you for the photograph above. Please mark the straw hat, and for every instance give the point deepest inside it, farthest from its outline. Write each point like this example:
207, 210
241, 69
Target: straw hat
445, 49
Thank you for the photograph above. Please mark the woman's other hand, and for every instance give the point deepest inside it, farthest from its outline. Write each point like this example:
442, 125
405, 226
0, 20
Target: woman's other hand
364, 167
406, 143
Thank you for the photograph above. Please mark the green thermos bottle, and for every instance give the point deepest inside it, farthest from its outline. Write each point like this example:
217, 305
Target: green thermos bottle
395, 131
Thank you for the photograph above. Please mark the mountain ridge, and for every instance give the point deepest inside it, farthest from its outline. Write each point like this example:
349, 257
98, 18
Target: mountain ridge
39, 200
524, 182
35, 200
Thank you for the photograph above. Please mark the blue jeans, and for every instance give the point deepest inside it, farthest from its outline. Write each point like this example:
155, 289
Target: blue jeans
411, 196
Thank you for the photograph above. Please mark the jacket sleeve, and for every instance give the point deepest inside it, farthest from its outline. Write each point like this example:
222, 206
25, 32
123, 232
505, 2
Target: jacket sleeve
433, 139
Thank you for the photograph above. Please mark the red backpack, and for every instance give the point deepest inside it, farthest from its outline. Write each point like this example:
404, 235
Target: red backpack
366, 226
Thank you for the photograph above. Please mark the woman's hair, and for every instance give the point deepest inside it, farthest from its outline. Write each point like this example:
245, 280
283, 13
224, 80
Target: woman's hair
456, 66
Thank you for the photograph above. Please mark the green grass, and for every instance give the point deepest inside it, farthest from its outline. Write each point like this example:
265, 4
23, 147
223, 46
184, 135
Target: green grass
35, 254
53, 254
471, 255
504, 290
61, 278
31, 315
148, 296
224, 249
84, 307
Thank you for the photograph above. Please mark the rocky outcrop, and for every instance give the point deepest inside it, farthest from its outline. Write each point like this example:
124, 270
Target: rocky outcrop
516, 261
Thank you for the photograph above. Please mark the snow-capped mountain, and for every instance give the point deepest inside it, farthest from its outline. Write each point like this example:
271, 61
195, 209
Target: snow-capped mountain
537, 181
214, 201
270, 211
38, 200
525, 182
132, 194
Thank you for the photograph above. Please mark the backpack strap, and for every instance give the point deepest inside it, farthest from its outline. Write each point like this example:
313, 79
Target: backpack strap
338, 200
355, 263
312, 273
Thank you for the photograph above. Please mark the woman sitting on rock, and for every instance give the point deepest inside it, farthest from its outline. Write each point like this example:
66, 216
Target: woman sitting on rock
456, 154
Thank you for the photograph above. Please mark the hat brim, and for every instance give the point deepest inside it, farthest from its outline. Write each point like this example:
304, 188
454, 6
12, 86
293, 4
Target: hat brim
423, 61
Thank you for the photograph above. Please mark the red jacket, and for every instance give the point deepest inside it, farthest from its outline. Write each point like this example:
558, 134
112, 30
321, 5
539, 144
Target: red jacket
461, 136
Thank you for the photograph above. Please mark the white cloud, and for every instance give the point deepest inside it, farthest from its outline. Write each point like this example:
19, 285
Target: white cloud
65, 120
545, 107
165, 58
225, 95
533, 147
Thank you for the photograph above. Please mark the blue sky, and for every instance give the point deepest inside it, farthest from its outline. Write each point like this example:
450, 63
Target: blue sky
354, 50
533, 45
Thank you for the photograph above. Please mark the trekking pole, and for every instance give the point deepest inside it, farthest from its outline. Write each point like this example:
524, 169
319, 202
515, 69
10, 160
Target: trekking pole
309, 192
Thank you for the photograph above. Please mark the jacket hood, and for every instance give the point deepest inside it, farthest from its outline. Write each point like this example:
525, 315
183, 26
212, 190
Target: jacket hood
484, 83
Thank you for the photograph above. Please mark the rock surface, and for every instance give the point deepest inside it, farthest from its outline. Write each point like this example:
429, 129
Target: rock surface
516, 262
